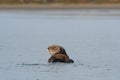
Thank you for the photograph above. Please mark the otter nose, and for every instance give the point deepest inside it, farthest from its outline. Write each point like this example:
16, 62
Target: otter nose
48, 48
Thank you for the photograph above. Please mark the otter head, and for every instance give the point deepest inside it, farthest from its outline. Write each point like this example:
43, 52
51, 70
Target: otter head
54, 49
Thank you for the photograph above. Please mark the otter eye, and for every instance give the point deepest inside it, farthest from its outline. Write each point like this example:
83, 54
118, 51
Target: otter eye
55, 48
48, 48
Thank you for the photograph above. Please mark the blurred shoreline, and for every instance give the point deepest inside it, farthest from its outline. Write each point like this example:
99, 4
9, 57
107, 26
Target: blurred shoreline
59, 6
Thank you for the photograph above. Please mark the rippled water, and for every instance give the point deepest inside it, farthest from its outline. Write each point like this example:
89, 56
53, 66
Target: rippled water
90, 37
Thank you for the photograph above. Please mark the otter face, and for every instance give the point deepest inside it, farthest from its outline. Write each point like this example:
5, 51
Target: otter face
54, 49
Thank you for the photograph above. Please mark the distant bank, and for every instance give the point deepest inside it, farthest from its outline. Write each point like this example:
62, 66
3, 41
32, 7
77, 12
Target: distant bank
60, 6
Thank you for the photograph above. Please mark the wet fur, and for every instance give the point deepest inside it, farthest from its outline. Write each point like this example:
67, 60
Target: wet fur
58, 54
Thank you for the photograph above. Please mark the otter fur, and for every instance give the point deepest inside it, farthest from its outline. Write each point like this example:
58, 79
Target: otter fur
58, 54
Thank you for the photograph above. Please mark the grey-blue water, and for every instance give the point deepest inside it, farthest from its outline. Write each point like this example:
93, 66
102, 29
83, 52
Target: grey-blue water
90, 37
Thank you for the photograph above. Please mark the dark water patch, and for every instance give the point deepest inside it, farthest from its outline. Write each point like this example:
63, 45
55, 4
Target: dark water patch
41, 67
42, 64
108, 69
85, 65
24, 64
33, 64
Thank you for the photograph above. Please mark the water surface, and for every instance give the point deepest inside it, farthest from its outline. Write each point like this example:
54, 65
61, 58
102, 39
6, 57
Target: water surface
90, 37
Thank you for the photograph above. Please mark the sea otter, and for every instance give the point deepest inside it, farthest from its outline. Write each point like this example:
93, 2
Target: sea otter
58, 54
